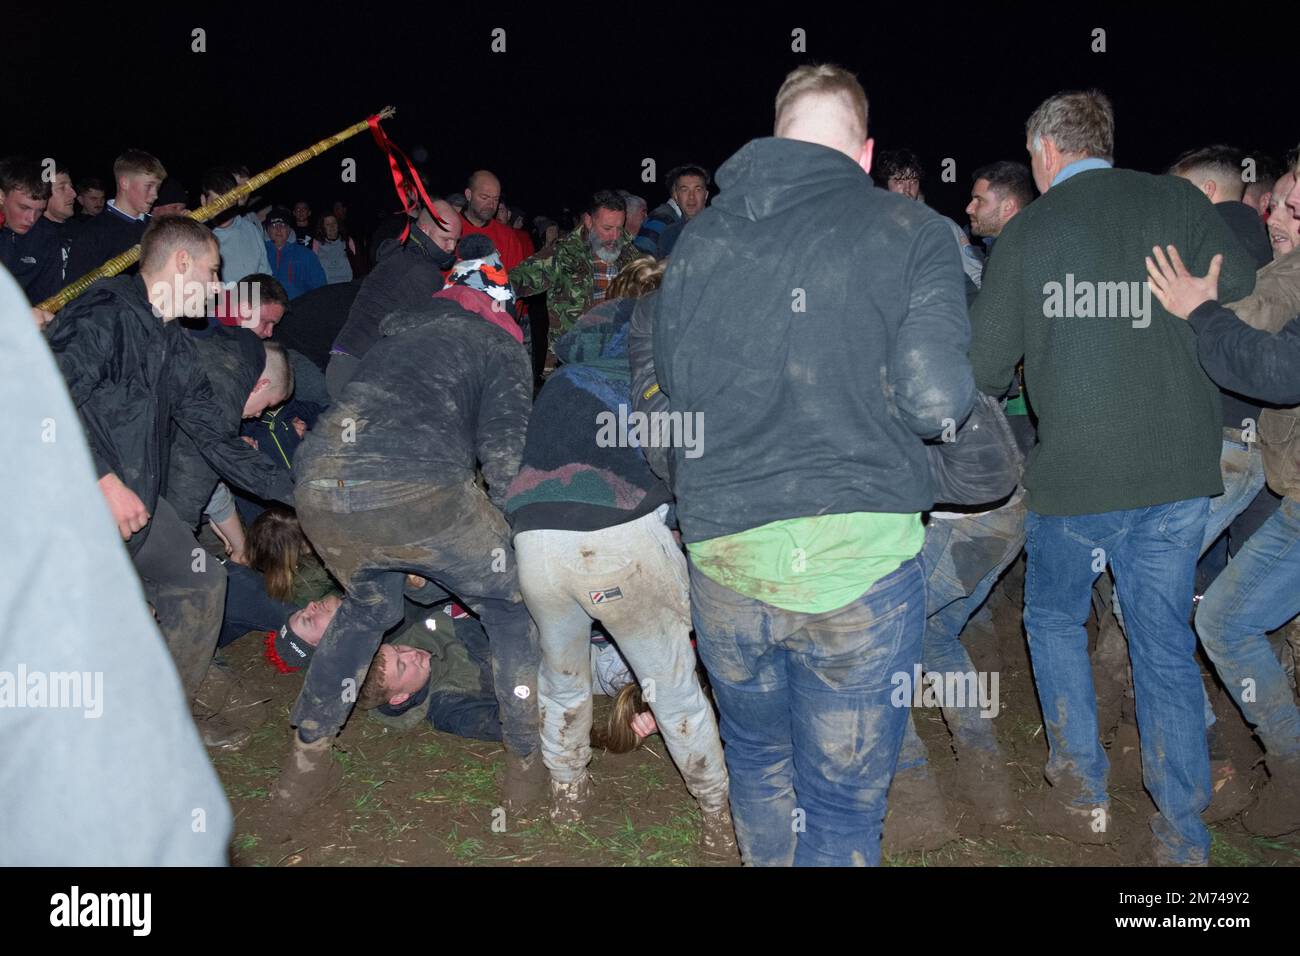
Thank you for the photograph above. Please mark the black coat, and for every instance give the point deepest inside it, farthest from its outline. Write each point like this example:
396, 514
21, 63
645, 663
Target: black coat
405, 278
233, 360
443, 388
131, 376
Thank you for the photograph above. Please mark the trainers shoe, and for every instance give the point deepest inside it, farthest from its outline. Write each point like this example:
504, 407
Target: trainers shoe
524, 782
1090, 825
1277, 811
718, 835
309, 775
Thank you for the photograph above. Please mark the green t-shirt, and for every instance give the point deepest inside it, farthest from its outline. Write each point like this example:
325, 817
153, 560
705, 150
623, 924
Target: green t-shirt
813, 564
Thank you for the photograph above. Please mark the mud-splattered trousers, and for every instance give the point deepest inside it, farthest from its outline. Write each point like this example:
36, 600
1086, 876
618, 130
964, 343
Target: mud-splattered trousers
1258, 592
632, 578
1152, 553
963, 558
187, 588
370, 534
811, 732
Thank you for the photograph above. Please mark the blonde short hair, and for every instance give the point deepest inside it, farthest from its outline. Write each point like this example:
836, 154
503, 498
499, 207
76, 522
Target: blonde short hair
823, 79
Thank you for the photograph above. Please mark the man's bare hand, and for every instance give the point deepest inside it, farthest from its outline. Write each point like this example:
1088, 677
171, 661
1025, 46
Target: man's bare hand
299, 426
643, 725
1178, 290
42, 317
125, 505
250, 441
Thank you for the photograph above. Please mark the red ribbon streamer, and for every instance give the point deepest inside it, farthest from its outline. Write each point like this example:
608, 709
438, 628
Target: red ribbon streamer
394, 152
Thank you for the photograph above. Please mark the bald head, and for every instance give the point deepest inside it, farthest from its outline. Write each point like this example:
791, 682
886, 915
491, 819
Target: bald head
482, 195
444, 239
824, 105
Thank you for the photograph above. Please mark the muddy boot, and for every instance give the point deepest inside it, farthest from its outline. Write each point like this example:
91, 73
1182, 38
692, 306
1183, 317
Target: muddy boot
214, 693
570, 801
524, 782
1230, 791
220, 733
1052, 813
917, 818
718, 835
984, 783
309, 775
1277, 812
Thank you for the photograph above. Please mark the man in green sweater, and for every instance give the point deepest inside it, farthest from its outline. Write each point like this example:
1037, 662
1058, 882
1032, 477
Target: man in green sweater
1127, 459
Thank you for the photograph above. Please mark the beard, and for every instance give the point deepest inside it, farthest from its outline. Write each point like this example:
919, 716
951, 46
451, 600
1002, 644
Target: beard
605, 252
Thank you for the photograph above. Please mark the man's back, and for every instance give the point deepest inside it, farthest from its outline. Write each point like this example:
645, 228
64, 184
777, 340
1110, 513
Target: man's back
1127, 418
405, 277
816, 326
425, 402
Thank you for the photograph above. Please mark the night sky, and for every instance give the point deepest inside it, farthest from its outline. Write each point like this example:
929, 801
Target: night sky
578, 100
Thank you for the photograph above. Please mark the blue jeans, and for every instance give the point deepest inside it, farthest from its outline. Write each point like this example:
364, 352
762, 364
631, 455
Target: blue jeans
963, 558
811, 733
1152, 552
1258, 592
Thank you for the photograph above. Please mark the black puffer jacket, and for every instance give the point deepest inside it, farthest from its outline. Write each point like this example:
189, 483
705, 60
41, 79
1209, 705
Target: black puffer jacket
443, 388
405, 278
233, 360
130, 376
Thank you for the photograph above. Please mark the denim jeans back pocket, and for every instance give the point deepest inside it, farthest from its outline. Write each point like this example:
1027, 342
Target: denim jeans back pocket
1182, 523
859, 648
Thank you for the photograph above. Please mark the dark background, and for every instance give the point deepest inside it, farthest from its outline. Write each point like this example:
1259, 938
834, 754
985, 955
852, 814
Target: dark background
583, 94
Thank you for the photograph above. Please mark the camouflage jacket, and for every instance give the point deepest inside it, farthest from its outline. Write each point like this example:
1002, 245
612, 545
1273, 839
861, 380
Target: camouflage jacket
565, 275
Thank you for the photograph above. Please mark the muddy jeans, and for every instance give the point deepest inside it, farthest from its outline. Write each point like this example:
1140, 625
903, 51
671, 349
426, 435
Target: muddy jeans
371, 534
963, 559
1258, 592
187, 588
632, 578
812, 734
1153, 553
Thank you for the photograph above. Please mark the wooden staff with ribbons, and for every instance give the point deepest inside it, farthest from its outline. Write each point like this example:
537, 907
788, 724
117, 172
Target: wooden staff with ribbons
124, 261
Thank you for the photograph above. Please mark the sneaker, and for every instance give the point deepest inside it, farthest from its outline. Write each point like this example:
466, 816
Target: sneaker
219, 733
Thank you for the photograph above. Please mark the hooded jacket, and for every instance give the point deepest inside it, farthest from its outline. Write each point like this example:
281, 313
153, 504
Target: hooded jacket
573, 478
131, 376
443, 388
404, 279
817, 328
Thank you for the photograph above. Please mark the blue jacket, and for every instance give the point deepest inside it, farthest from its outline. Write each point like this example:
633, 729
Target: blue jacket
296, 267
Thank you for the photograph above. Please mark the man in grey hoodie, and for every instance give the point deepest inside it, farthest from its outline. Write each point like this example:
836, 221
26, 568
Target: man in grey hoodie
819, 325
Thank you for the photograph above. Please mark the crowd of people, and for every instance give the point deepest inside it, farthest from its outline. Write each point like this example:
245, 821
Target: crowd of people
745, 461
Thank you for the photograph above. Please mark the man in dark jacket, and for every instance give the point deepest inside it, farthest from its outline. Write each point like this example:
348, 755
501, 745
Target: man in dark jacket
132, 372
30, 245
122, 223
802, 514
386, 487
405, 278
1260, 589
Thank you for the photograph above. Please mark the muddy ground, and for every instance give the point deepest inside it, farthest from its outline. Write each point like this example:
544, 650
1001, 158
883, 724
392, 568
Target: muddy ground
427, 798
